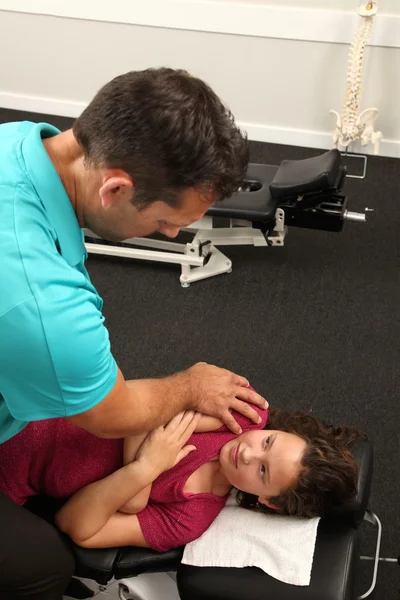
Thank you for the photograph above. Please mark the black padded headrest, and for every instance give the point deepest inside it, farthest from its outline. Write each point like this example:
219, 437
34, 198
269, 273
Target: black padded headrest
254, 204
296, 177
355, 509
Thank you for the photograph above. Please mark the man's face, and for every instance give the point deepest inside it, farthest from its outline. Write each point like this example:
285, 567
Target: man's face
122, 220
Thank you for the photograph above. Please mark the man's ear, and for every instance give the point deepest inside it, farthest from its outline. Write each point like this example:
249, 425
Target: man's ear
266, 502
115, 188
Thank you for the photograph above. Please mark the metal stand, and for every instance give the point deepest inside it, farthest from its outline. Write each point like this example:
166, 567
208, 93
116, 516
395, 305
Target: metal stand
365, 164
374, 519
147, 586
200, 258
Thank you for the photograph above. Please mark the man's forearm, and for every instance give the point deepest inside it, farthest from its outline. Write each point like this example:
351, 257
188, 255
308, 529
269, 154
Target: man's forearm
156, 401
88, 510
137, 406
147, 403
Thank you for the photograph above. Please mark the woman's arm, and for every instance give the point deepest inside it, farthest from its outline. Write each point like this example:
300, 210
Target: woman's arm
138, 502
93, 509
120, 530
132, 445
207, 423
87, 511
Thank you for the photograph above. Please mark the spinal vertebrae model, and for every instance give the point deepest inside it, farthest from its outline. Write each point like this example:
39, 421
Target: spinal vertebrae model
351, 126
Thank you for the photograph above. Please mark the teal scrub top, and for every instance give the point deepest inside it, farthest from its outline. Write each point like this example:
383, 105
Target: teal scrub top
55, 356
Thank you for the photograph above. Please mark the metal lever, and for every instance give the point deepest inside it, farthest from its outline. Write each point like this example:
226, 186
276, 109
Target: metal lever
358, 217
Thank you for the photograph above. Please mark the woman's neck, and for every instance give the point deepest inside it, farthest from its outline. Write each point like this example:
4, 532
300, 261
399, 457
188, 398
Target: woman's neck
208, 479
220, 484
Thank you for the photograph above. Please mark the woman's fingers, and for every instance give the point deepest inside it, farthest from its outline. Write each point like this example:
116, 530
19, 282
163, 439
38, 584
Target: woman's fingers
175, 422
188, 425
183, 424
184, 452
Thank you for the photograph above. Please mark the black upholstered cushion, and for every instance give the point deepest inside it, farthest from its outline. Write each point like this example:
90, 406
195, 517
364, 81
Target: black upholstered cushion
354, 510
95, 563
255, 205
333, 574
134, 561
296, 177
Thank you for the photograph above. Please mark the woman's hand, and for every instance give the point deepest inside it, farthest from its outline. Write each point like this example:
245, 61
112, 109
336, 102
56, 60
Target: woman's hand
165, 446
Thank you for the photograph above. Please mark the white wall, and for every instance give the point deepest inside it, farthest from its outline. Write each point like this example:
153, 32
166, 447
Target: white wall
279, 88
388, 6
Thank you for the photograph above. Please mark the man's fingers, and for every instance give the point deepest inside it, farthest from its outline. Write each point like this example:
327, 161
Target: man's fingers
251, 396
230, 422
242, 381
246, 410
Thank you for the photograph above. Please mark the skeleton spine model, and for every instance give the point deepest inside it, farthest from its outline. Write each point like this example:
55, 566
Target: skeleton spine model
351, 126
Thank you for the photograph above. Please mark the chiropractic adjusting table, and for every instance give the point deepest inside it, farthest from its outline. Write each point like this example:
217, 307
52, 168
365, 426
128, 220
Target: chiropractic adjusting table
298, 193
142, 574
304, 193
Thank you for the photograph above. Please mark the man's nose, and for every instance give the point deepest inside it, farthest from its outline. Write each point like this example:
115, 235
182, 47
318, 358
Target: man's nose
170, 232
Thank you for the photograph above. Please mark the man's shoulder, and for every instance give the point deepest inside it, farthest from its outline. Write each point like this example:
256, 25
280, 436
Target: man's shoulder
12, 135
15, 129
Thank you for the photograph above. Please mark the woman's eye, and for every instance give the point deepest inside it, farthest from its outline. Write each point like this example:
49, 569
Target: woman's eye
262, 471
267, 440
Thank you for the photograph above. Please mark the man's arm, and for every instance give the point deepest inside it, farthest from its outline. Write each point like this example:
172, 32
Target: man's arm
138, 406
61, 350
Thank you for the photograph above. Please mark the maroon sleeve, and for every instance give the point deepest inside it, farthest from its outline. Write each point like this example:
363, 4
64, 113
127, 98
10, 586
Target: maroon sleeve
167, 526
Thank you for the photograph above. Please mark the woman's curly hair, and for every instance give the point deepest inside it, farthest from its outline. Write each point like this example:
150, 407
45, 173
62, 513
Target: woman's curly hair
328, 476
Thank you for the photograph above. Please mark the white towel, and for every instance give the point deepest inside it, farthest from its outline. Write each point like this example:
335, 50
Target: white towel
281, 546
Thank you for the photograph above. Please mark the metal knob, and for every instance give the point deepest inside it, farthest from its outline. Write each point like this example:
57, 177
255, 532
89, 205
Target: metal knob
354, 216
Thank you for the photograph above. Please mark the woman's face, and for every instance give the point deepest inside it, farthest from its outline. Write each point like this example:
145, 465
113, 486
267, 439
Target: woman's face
264, 463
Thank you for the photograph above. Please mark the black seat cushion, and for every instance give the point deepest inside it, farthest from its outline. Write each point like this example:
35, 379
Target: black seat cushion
296, 177
95, 563
333, 575
134, 561
258, 205
355, 509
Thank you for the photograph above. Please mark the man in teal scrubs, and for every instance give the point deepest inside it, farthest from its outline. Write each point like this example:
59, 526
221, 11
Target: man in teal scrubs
151, 153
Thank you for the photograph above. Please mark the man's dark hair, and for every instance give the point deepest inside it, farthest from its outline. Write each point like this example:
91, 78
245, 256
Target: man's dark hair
169, 131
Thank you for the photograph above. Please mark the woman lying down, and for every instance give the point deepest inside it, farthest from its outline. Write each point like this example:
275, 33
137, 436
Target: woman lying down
165, 491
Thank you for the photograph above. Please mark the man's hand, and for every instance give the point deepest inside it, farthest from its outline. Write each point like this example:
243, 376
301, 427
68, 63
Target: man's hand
217, 392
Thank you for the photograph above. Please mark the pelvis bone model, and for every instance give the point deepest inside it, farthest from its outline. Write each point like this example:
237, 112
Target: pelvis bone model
351, 126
